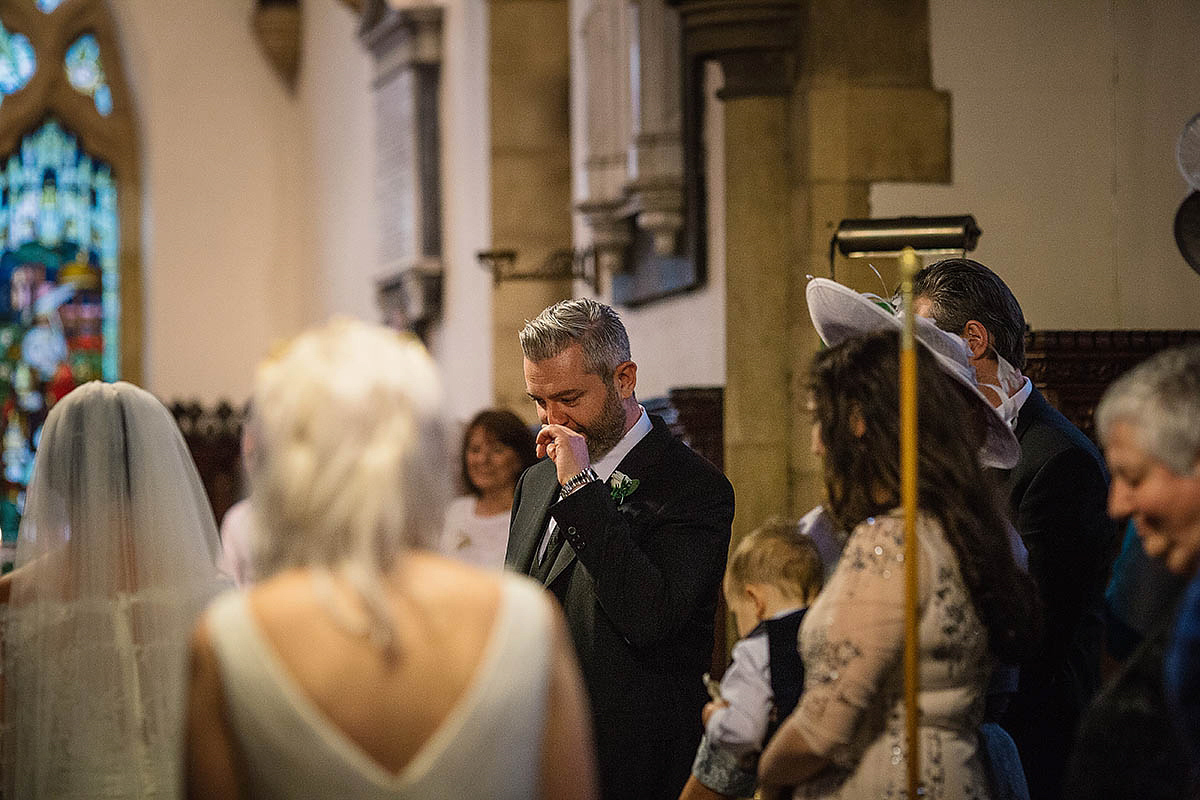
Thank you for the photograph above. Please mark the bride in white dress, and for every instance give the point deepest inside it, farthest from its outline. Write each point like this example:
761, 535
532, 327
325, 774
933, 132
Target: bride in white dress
115, 561
359, 666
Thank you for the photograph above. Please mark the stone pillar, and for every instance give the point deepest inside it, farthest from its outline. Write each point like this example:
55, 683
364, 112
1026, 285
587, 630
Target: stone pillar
864, 111
821, 99
759, 257
755, 44
867, 114
531, 171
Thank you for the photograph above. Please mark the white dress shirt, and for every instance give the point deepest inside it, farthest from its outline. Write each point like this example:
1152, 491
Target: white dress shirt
1018, 400
741, 726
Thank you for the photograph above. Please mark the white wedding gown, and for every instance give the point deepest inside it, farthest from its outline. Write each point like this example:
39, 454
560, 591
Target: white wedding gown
487, 748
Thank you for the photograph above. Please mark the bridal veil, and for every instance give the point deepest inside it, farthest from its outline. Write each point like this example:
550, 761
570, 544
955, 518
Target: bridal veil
115, 561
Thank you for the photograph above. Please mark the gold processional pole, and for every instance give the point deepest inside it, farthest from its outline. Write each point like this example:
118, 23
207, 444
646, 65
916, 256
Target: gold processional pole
908, 499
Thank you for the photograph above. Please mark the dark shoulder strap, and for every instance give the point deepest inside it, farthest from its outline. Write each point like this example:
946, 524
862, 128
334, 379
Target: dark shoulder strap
786, 667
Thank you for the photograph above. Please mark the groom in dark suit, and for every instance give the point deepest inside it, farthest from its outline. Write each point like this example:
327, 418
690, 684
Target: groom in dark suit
630, 530
1058, 494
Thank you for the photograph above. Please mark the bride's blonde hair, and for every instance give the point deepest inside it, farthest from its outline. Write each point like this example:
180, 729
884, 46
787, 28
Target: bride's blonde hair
351, 464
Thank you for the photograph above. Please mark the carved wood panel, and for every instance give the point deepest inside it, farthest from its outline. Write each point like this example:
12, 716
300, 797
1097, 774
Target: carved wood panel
213, 435
1073, 368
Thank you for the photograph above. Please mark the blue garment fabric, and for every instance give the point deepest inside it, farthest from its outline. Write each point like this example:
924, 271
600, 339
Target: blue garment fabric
1182, 676
1126, 746
1003, 763
1140, 593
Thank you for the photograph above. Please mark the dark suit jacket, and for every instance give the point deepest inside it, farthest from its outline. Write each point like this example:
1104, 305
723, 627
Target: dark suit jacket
1059, 493
638, 582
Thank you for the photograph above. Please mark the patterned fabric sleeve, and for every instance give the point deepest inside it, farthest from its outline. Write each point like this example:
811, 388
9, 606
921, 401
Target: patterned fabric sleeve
723, 772
847, 664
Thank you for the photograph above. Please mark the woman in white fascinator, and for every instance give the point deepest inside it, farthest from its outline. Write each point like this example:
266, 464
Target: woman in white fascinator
839, 314
115, 561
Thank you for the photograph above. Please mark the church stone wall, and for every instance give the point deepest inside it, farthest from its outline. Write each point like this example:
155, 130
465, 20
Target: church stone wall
221, 195
1064, 128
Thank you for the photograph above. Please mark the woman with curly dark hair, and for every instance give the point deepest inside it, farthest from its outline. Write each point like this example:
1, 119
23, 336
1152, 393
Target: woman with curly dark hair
976, 607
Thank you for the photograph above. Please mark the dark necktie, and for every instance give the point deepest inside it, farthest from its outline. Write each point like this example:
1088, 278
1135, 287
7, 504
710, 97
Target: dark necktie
542, 570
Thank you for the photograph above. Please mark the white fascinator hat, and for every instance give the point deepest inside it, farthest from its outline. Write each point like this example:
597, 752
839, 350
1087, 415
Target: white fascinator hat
839, 313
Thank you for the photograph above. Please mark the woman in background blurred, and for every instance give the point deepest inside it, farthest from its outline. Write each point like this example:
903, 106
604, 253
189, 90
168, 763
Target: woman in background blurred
496, 448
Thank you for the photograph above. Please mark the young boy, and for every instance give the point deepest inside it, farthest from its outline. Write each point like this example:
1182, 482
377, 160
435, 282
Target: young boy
772, 576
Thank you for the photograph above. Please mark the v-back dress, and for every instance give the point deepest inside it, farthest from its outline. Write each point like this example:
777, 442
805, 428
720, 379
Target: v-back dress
852, 642
488, 747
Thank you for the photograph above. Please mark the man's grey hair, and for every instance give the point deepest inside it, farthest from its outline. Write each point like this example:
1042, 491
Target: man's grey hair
595, 326
1160, 399
960, 290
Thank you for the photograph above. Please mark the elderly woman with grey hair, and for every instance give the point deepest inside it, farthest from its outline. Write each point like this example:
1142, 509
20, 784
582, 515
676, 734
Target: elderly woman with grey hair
1148, 423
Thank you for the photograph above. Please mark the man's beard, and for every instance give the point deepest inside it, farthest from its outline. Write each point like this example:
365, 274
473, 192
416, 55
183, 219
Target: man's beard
603, 435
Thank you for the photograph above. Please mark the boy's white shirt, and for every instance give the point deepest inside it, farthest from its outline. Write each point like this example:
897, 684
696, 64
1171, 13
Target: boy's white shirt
741, 726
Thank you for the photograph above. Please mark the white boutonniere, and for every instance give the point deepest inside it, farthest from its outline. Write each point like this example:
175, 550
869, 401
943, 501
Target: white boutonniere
621, 486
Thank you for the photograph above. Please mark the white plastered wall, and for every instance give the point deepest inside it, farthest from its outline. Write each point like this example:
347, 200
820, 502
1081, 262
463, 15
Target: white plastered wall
222, 194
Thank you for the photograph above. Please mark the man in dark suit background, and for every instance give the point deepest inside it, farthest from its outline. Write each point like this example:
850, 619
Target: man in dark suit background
1058, 494
630, 530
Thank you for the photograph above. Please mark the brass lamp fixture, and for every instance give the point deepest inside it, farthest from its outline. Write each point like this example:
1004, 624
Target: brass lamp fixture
874, 238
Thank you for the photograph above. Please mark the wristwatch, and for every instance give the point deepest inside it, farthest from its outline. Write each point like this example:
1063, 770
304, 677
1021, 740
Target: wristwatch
578, 480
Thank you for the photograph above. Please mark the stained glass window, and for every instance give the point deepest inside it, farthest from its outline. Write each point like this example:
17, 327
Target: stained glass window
48, 5
59, 304
17, 62
86, 73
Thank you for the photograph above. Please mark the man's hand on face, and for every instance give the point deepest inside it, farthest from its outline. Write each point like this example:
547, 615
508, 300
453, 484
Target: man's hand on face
566, 448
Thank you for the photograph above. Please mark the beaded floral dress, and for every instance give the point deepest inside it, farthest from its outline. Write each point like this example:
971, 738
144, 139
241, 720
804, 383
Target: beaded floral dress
852, 642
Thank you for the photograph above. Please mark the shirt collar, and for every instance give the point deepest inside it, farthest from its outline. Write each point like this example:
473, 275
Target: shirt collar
1018, 400
607, 465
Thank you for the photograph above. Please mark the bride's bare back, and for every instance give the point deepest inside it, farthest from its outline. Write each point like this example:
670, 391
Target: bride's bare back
390, 707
